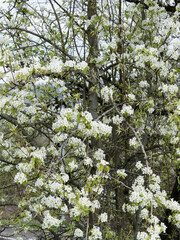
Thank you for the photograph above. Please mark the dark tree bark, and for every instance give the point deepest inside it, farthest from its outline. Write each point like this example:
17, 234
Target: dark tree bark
172, 232
92, 95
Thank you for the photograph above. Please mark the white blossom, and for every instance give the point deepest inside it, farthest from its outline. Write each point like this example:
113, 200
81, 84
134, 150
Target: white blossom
88, 161
107, 93
117, 119
50, 221
95, 233
103, 217
127, 109
142, 236
39, 153
82, 65
144, 213
78, 232
73, 165
133, 142
143, 84
20, 177
52, 202
122, 173
132, 96
139, 165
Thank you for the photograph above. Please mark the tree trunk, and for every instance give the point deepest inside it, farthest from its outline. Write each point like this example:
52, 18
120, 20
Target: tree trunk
172, 232
92, 95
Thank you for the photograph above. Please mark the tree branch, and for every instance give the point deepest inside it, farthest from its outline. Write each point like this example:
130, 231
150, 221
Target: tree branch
41, 37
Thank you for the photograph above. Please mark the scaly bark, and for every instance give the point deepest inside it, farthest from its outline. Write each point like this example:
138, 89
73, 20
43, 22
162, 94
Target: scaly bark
92, 95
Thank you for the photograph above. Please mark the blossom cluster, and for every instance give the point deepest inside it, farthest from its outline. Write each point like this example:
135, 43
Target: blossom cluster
69, 119
107, 93
51, 143
50, 221
150, 197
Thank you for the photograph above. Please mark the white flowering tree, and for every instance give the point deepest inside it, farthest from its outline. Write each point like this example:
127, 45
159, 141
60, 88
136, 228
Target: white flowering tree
89, 118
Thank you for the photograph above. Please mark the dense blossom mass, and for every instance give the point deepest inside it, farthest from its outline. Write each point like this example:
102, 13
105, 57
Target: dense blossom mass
90, 118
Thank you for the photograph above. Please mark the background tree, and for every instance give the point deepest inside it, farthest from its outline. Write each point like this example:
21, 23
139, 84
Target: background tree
90, 117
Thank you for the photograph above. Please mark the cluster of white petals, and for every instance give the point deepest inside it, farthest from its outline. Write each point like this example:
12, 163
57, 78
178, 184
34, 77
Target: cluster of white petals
127, 109
49, 221
171, 88
70, 156
20, 177
107, 93
95, 233
121, 173
78, 232
52, 202
103, 217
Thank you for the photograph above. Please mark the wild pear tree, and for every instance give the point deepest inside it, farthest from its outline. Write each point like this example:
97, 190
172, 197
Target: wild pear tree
89, 100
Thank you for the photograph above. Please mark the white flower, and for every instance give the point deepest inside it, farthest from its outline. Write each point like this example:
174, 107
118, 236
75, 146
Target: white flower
56, 65
4, 39
174, 140
142, 236
28, 216
121, 172
73, 165
117, 119
70, 63
20, 177
65, 177
143, 84
39, 182
64, 208
82, 65
103, 217
96, 233
132, 96
129, 208
75, 212
112, 44
36, 207
139, 165
107, 93
25, 167
88, 161
133, 142
99, 154
144, 213
22, 118
50, 221
95, 204
147, 170
178, 151
84, 201
103, 163
59, 137
127, 109
3, 101
164, 87
39, 153
173, 88
151, 110
52, 202
60, 123
78, 233
87, 115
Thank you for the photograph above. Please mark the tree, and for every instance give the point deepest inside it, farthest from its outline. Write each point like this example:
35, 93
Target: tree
90, 118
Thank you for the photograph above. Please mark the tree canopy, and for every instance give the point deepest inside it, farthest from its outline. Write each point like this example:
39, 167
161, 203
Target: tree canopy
90, 118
